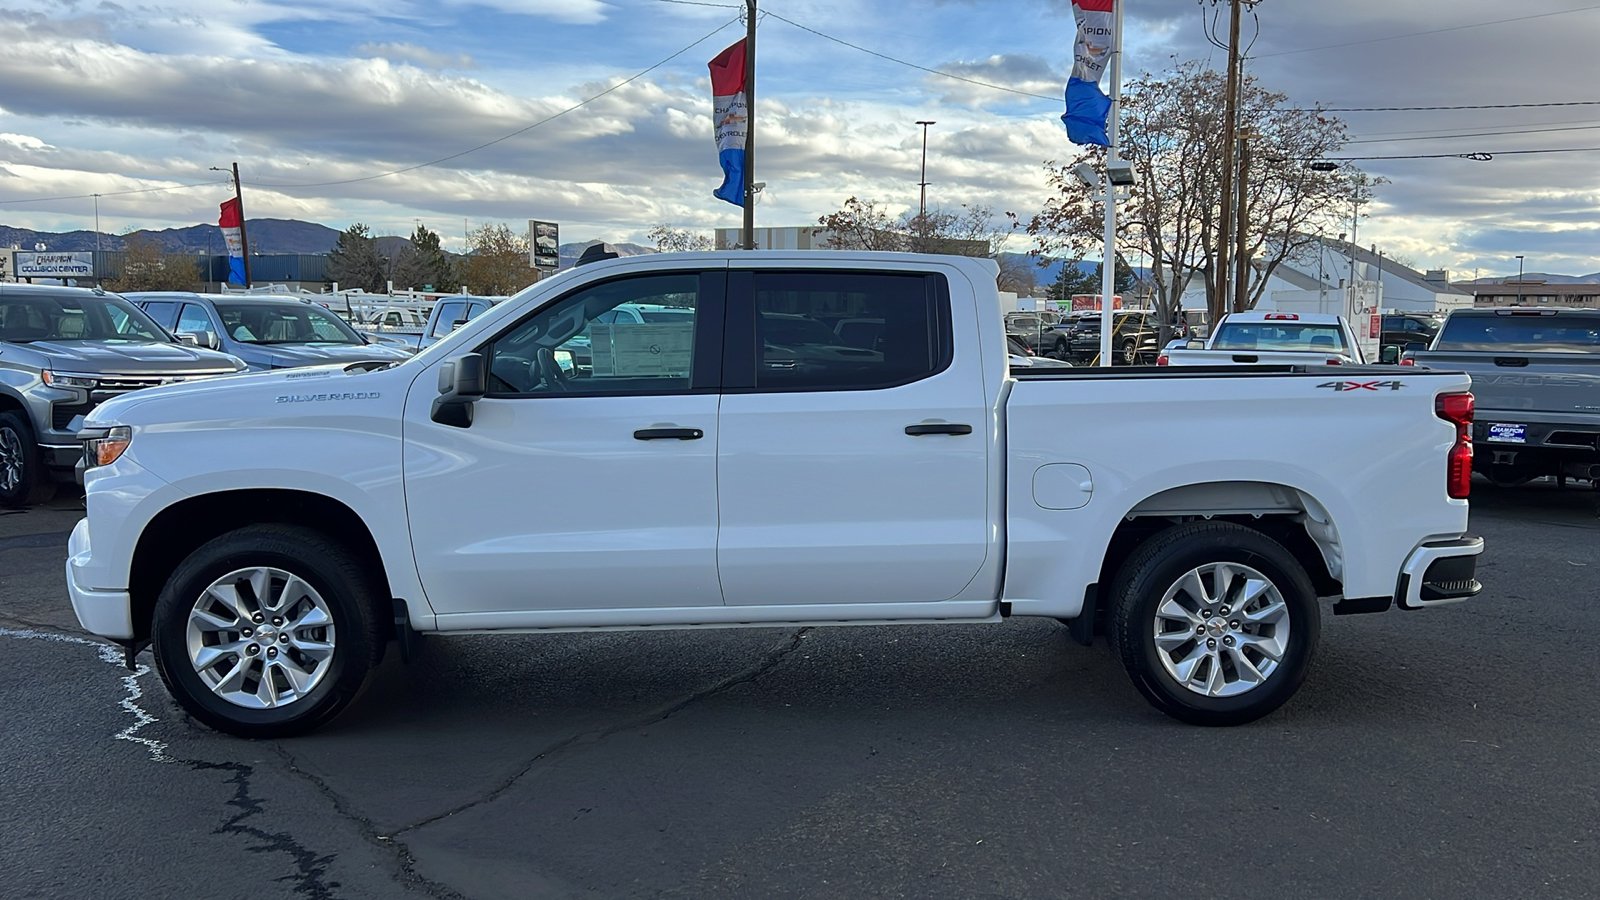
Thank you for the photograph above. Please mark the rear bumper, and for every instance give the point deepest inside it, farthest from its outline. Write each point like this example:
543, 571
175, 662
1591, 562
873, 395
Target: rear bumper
105, 613
1440, 573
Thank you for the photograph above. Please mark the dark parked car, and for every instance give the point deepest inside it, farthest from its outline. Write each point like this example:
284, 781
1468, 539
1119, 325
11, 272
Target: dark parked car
265, 332
1133, 342
1409, 328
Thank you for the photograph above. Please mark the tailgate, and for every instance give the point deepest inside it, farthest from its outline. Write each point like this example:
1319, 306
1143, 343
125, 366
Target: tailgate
1252, 358
1564, 384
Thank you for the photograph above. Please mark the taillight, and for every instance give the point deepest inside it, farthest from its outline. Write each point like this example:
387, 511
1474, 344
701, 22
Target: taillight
1457, 409
1408, 361
1162, 360
1334, 362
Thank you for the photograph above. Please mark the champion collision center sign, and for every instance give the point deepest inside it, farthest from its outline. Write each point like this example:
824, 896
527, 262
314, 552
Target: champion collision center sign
32, 264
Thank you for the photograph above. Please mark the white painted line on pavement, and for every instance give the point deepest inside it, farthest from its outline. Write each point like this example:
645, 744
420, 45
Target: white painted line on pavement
130, 683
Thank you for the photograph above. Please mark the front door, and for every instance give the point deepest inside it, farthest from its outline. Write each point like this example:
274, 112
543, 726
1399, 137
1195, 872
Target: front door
587, 478
853, 464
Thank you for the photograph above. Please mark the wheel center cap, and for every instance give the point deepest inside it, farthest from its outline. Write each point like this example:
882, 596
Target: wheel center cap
1217, 627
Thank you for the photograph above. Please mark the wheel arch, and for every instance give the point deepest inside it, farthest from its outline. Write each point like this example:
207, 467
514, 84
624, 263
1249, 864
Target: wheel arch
1288, 515
179, 529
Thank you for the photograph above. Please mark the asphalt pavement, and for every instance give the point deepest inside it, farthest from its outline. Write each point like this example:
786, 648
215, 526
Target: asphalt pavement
1450, 753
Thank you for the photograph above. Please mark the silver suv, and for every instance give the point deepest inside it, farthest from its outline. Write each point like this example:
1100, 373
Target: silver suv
63, 351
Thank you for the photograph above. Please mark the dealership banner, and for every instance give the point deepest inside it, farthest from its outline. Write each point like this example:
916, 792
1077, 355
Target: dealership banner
730, 112
54, 265
1087, 105
232, 225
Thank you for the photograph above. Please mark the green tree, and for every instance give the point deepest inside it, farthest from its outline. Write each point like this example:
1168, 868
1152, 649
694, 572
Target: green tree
355, 262
147, 267
497, 261
424, 265
1074, 280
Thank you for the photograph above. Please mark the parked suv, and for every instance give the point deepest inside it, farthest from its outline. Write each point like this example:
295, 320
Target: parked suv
265, 332
63, 351
1133, 340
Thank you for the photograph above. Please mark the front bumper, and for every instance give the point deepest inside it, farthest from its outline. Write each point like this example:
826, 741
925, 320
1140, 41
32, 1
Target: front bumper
1440, 573
105, 613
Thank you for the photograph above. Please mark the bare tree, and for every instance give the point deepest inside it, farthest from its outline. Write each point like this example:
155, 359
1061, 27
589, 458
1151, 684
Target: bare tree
146, 266
497, 261
861, 225
1171, 129
668, 239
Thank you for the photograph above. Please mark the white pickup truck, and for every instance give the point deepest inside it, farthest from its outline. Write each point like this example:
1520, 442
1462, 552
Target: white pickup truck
1271, 339
269, 534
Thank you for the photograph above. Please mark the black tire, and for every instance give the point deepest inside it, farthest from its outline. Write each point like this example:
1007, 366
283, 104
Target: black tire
1157, 565
23, 480
1060, 351
330, 569
1129, 352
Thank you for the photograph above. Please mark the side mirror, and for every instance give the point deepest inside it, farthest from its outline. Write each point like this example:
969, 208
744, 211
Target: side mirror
1416, 347
207, 339
1389, 355
457, 324
462, 381
1194, 344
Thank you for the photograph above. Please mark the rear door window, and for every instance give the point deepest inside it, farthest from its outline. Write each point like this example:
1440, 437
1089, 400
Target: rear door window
906, 315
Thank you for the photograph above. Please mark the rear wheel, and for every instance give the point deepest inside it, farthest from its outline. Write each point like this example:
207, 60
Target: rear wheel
1059, 351
267, 631
23, 481
1215, 623
1130, 352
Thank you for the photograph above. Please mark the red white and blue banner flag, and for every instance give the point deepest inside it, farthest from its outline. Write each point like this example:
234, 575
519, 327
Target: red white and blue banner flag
1087, 104
231, 224
731, 113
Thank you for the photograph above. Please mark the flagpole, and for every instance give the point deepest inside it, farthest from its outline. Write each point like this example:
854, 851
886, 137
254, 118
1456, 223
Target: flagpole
1108, 264
244, 242
749, 237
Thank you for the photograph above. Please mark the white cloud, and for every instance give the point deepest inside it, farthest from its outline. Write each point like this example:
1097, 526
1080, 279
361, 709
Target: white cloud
411, 53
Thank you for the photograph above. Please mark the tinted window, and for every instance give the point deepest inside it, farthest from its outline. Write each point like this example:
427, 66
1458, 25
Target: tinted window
74, 317
1279, 336
1523, 333
193, 318
449, 314
257, 322
797, 350
161, 311
577, 344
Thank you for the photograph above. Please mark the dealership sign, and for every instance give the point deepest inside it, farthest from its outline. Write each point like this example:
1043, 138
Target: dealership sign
546, 240
54, 265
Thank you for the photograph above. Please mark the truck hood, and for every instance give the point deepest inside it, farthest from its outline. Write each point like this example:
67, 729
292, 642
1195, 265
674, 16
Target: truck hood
346, 391
131, 357
285, 356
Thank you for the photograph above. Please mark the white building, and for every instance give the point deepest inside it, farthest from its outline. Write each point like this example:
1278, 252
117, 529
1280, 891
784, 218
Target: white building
1331, 268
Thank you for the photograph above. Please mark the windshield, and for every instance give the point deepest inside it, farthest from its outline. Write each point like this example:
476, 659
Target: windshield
75, 317
256, 322
1522, 333
1279, 336
795, 331
666, 315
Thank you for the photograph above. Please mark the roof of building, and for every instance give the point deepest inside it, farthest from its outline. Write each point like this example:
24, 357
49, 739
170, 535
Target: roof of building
1531, 289
1390, 267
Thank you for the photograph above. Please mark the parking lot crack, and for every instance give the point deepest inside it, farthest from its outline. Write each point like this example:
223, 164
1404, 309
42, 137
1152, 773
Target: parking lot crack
768, 663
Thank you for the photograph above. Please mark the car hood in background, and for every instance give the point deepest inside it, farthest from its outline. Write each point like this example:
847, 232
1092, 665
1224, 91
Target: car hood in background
286, 356
131, 357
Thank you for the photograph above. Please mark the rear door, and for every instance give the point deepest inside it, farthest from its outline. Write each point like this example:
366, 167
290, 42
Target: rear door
848, 474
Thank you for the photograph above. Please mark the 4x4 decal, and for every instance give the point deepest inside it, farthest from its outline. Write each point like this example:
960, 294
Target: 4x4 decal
1362, 385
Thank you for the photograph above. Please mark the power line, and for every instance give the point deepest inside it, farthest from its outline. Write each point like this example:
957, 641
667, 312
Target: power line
1396, 37
1479, 156
912, 65
1442, 137
1470, 106
550, 118
172, 187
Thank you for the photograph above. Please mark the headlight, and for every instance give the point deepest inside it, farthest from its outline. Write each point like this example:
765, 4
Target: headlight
59, 379
103, 451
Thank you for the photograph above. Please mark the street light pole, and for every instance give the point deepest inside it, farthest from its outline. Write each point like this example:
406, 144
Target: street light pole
922, 204
96, 266
1519, 279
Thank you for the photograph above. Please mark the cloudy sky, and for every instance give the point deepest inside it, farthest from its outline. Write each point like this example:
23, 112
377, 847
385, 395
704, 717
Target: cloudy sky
330, 106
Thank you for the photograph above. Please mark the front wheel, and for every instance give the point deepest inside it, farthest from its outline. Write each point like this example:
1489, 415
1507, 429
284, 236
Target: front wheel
23, 481
267, 631
1215, 623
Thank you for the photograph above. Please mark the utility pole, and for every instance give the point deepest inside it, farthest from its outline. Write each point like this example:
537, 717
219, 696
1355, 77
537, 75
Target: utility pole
922, 204
1519, 279
96, 266
1108, 259
1241, 230
750, 125
1230, 133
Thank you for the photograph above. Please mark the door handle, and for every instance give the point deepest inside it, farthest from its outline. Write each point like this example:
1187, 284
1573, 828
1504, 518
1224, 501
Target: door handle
920, 430
668, 434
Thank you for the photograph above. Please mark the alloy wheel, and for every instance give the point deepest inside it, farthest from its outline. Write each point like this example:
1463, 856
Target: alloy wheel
11, 460
260, 637
1221, 629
